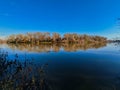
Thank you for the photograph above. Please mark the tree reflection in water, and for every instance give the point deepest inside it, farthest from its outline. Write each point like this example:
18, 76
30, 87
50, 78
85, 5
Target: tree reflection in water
26, 75
54, 47
16, 75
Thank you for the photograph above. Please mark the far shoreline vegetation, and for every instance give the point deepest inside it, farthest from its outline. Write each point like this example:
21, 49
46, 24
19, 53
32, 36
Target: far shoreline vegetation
48, 38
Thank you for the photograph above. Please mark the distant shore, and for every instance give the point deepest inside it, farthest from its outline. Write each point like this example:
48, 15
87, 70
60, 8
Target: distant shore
38, 38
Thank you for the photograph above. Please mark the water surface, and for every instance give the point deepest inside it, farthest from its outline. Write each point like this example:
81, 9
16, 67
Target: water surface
74, 67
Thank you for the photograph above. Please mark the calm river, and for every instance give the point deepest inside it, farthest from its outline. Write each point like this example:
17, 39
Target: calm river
73, 67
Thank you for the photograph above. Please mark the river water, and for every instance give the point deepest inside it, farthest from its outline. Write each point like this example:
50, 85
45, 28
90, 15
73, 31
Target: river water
73, 67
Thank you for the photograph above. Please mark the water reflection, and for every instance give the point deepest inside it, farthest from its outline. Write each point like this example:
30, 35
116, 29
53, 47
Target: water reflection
54, 47
59, 71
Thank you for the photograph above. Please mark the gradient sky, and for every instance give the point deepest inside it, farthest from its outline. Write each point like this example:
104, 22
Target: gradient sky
80, 16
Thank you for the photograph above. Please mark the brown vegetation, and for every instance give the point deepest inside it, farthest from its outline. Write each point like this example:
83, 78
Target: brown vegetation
37, 38
16, 75
2, 41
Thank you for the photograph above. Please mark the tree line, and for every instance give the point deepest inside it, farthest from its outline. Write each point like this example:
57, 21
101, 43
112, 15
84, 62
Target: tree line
38, 37
2, 41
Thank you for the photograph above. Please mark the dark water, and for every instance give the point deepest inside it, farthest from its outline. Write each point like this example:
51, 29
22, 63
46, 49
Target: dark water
74, 67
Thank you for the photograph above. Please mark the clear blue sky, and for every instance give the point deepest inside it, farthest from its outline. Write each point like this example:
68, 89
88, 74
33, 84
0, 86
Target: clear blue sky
81, 16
